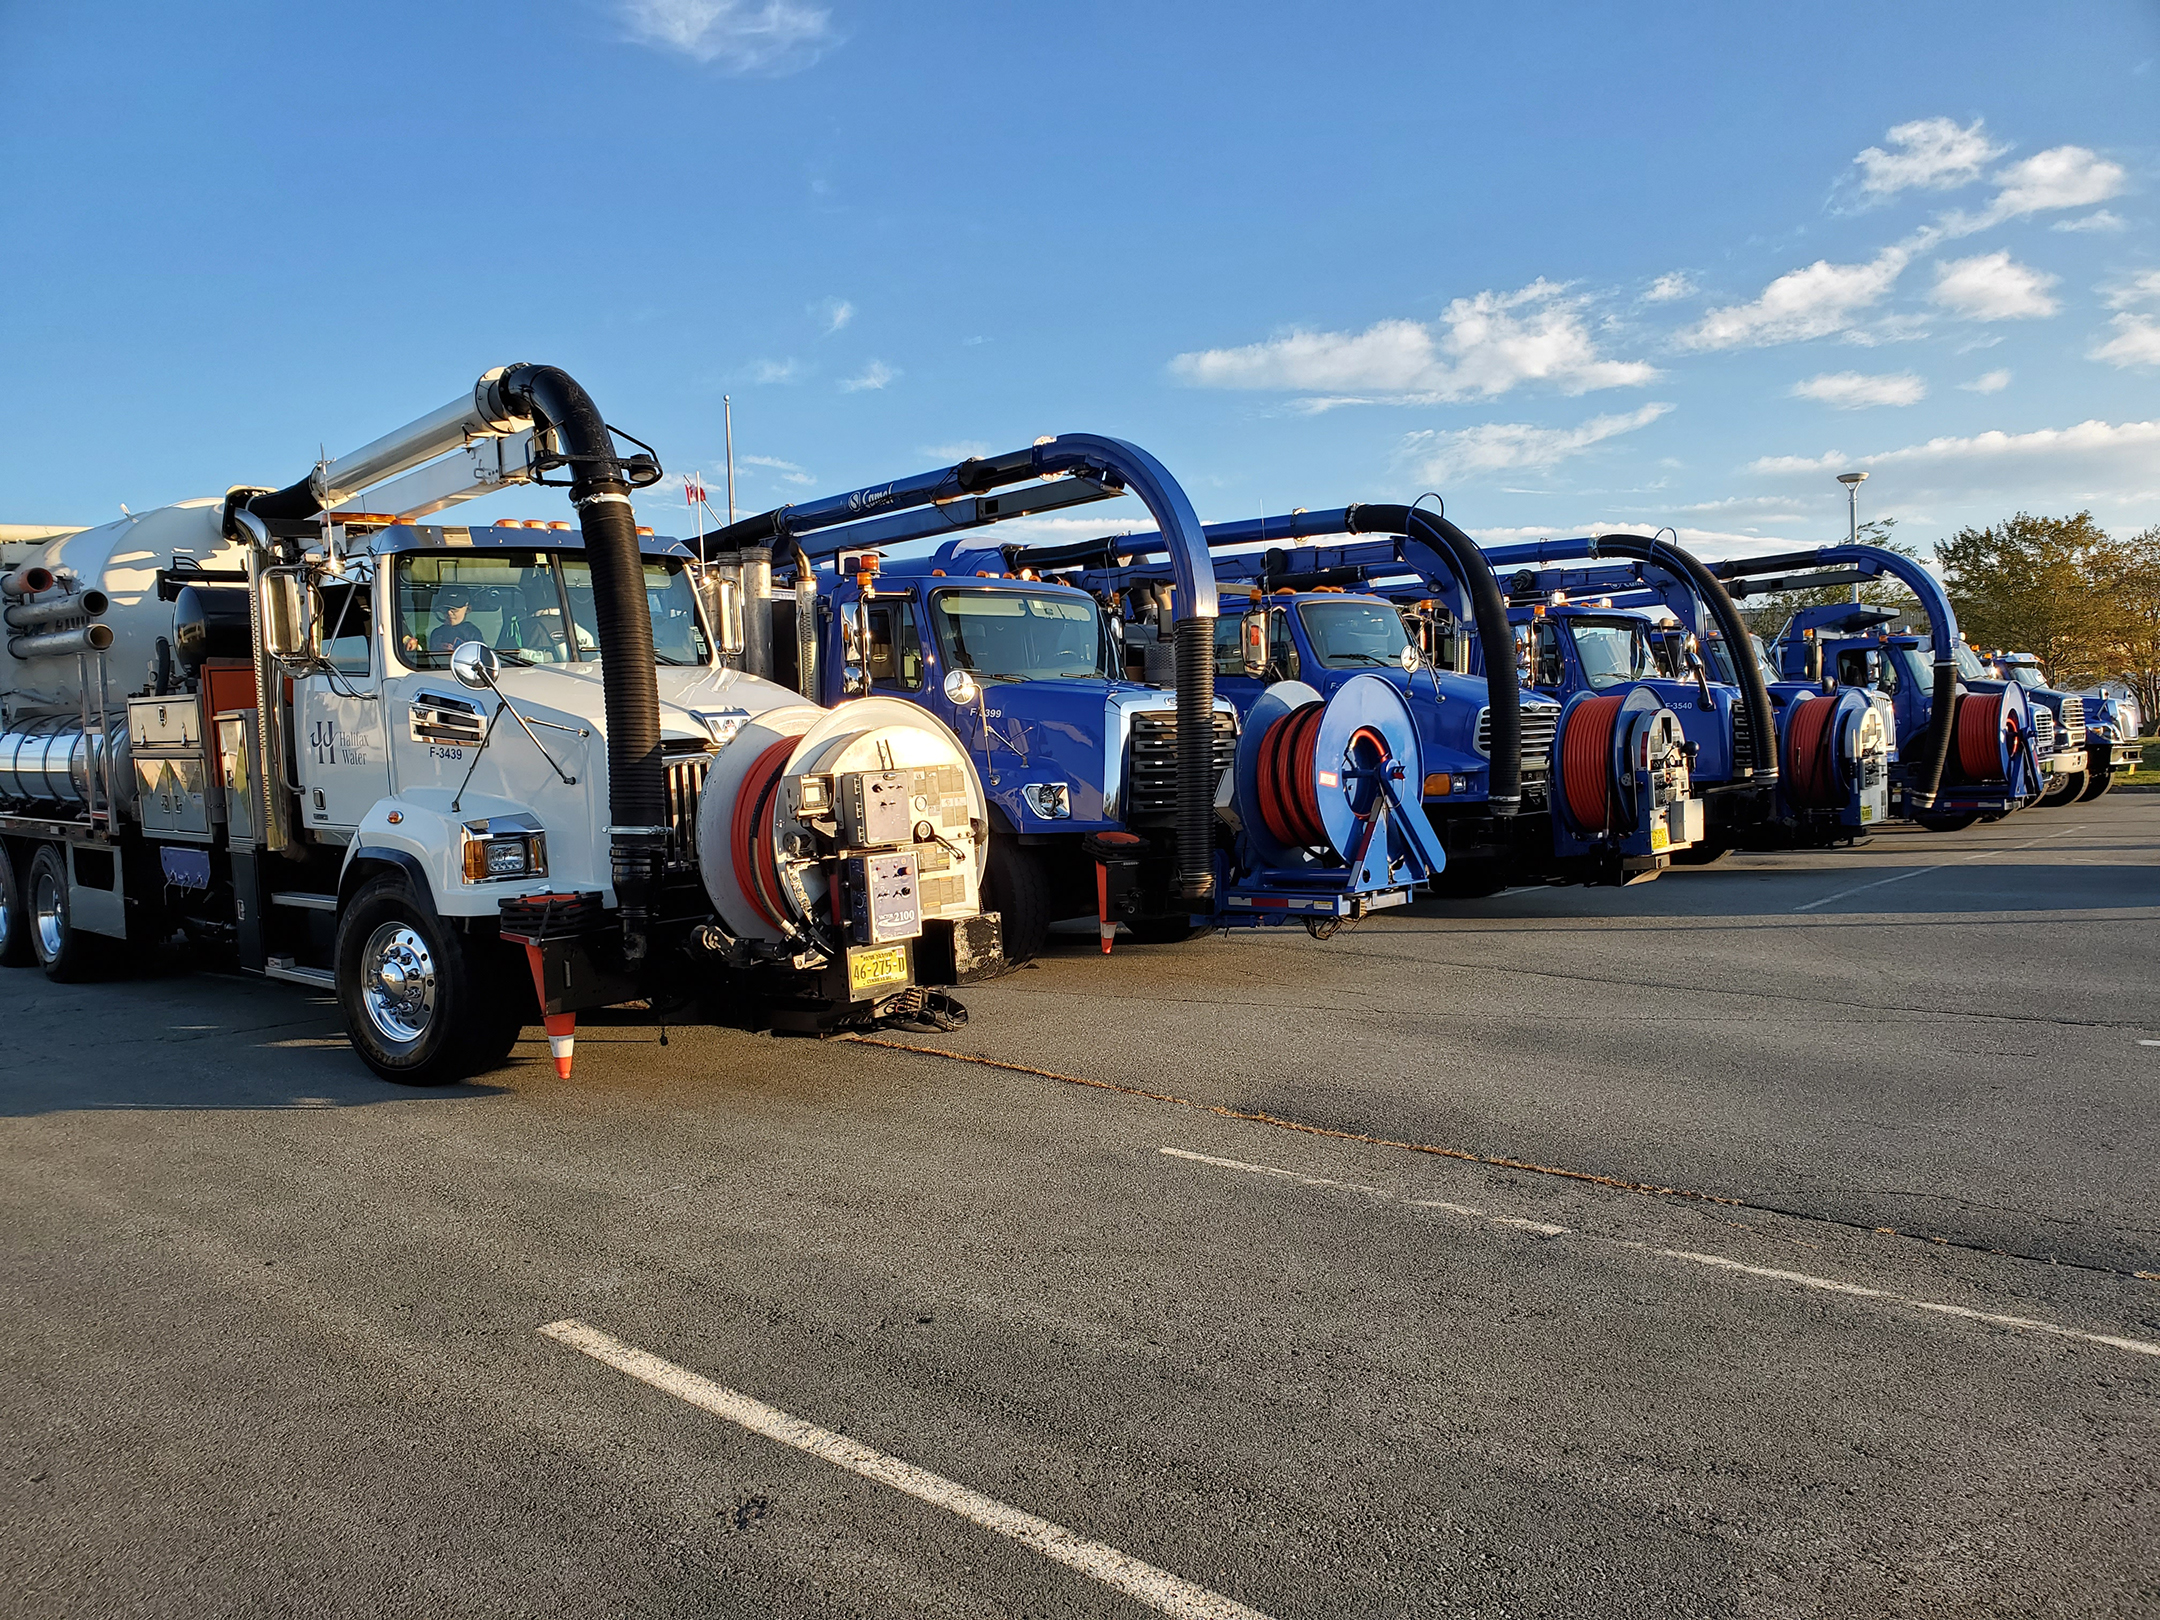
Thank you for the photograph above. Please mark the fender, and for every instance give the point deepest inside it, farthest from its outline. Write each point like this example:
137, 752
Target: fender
363, 861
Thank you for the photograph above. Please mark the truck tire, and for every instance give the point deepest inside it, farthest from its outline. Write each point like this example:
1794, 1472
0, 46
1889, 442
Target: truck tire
1016, 885
1948, 824
2096, 783
14, 917
424, 1004
66, 953
2069, 789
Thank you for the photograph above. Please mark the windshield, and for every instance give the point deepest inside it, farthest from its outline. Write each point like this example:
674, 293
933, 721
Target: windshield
1613, 650
1354, 634
2027, 675
519, 603
1022, 635
1916, 670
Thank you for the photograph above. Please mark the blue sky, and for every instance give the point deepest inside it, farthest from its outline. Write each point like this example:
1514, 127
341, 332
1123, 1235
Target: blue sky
1567, 265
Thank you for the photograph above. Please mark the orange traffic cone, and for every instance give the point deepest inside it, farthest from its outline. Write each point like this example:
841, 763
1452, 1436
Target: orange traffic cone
1102, 906
561, 1027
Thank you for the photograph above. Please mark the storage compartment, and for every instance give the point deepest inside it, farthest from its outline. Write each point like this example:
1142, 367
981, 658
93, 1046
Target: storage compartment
173, 722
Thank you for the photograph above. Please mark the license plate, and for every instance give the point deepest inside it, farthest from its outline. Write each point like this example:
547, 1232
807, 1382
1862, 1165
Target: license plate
874, 970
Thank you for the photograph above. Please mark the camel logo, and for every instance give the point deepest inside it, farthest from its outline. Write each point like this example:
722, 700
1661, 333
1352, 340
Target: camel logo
864, 499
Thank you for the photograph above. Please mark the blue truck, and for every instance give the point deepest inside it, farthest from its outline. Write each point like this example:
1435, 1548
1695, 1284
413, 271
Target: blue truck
2113, 721
1144, 803
2082, 765
1964, 746
1503, 811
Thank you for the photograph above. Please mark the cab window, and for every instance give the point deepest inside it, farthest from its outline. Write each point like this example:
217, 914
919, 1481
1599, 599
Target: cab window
346, 618
895, 646
1546, 666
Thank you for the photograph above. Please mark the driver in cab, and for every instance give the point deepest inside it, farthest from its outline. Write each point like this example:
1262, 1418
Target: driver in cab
453, 602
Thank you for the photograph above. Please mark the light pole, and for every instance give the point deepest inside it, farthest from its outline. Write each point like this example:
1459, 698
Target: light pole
1852, 483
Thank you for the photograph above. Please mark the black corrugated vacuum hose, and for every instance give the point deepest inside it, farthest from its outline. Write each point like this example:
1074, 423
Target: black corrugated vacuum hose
1734, 628
1196, 761
1496, 640
630, 691
1941, 713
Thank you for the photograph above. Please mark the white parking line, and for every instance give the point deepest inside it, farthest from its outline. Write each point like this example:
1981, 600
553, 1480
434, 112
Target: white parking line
1542, 1228
1719, 1262
1922, 871
1144, 1583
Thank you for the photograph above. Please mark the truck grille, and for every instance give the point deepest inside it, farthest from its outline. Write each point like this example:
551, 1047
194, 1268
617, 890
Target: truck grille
1152, 778
2043, 724
2073, 722
1743, 737
685, 766
1539, 722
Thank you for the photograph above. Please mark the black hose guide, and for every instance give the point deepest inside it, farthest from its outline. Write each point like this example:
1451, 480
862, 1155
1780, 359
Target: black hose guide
1753, 692
629, 687
1196, 760
1496, 639
1940, 716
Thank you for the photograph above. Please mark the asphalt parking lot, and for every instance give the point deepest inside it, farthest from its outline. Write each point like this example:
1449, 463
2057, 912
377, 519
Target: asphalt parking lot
1776, 1238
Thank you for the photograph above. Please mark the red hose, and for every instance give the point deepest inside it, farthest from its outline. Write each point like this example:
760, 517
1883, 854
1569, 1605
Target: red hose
1586, 761
756, 874
1809, 781
1980, 724
1289, 776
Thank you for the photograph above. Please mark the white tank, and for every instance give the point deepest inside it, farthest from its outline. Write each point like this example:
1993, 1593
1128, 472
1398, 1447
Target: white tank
121, 559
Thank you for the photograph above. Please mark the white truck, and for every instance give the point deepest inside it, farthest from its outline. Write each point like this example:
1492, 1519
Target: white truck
504, 773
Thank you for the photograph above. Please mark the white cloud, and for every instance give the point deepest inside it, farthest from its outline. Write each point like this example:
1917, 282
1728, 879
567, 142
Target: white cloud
776, 37
2135, 291
2098, 220
875, 375
775, 371
1853, 390
1442, 457
2061, 177
787, 470
1480, 347
1817, 301
1993, 287
834, 312
2136, 342
1671, 285
956, 452
1932, 154
1992, 382
2099, 461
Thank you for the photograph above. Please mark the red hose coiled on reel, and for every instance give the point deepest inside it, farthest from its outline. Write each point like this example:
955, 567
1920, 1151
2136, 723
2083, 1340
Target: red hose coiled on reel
1289, 781
1586, 761
1980, 724
1810, 782
756, 873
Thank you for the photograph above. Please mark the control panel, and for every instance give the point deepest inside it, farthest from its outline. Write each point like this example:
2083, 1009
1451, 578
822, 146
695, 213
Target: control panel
884, 898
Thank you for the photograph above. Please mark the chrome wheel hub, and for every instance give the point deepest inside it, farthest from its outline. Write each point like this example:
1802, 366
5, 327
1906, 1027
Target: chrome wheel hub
397, 983
47, 916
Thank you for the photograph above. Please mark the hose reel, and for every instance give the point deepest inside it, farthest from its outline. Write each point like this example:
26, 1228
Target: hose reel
1835, 747
1988, 739
1615, 752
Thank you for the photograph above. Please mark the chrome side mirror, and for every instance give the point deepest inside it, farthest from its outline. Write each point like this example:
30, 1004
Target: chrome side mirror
1253, 644
474, 664
960, 688
291, 622
854, 680
1410, 658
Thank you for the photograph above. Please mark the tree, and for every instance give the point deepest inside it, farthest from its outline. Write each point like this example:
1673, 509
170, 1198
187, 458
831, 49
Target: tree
2040, 585
2134, 582
1767, 615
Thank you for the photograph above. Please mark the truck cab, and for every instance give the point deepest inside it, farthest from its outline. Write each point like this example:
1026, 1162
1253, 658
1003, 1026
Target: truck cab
1030, 675
2059, 725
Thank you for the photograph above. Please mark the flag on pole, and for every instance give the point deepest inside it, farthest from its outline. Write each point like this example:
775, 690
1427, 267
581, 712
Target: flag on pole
694, 490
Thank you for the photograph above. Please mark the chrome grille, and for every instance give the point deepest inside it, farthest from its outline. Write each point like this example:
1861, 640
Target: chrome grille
1539, 722
1153, 770
2043, 724
2073, 722
684, 778
1743, 736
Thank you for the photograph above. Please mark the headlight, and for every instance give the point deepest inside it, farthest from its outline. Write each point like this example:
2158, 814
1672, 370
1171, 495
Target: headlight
1050, 800
504, 847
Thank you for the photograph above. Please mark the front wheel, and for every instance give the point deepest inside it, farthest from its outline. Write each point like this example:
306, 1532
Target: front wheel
1017, 887
424, 1005
1163, 930
2096, 783
2068, 788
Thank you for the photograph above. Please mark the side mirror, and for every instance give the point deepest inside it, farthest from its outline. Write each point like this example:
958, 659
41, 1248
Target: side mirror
1252, 641
724, 607
1410, 658
960, 688
291, 624
474, 664
854, 680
